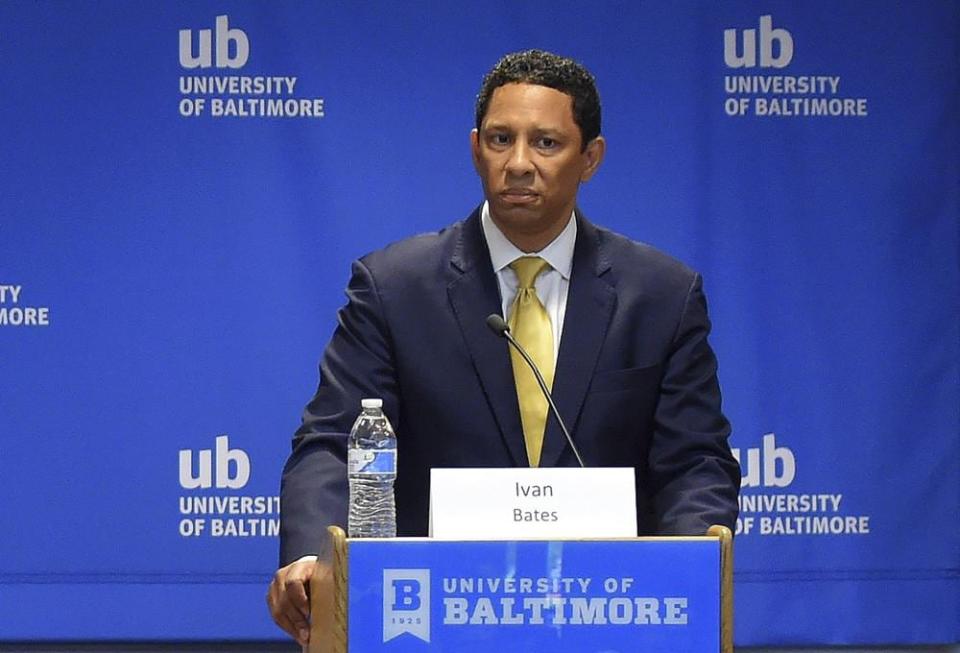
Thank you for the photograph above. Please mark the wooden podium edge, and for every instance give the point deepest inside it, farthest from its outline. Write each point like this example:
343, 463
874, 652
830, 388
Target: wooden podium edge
338, 539
328, 597
726, 585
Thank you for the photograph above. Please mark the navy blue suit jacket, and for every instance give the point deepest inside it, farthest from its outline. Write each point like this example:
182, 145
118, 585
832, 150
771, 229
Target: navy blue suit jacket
635, 382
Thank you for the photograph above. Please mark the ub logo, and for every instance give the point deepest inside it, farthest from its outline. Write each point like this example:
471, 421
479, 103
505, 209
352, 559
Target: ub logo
406, 603
768, 36
225, 36
225, 456
772, 455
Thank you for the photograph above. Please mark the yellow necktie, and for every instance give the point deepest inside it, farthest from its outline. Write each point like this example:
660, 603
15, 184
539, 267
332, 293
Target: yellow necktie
530, 325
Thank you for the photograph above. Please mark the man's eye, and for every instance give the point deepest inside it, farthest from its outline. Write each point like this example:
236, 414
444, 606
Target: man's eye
499, 139
547, 143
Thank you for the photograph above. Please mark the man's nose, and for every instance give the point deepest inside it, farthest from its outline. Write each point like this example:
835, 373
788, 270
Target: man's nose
519, 163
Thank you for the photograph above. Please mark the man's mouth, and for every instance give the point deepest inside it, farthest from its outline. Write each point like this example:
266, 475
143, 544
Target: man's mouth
518, 195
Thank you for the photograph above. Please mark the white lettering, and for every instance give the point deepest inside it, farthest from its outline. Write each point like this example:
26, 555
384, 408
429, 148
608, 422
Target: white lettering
788, 107
620, 610
237, 85
769, 35
508, 617
781, 84
24, 316
224, 38
535, 608
244, 527
455, 610
270, 108
483, 612
772, 454
806, 525
232, 505
674, 610
587, 611
747, 57
790, 502
227, 35
14, 293
204, 469
203, 59
226, 455
648, 611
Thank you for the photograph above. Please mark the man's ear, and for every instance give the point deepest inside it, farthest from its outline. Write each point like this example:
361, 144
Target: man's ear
594, 156
475, 148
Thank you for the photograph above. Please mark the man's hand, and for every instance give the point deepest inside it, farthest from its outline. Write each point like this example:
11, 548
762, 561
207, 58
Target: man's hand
288, 598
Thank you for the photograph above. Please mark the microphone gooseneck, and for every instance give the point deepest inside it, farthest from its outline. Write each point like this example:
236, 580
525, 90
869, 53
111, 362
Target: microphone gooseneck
499, 326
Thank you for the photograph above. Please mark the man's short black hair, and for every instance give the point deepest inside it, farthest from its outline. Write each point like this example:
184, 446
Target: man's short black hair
551, 70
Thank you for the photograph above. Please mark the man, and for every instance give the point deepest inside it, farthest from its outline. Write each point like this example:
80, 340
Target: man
619, 328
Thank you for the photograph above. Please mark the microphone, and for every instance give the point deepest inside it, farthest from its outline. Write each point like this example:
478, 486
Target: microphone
500, 327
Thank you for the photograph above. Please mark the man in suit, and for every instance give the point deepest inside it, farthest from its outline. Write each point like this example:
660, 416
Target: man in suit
622, 337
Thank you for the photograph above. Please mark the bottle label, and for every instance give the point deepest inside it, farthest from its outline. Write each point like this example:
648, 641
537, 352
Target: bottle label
366, 461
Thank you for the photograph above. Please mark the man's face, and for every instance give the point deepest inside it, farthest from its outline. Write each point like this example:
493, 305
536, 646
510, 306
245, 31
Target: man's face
528, 155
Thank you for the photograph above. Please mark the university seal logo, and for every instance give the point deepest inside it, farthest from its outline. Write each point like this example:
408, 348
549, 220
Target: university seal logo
406, 603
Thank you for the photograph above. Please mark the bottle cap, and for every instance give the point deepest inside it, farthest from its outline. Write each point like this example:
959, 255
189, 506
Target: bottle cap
371, 403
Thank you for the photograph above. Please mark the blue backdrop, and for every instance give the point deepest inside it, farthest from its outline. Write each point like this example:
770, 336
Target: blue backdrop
172, 254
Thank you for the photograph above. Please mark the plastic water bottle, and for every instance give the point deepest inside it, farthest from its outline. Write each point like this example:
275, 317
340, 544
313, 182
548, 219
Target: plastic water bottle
371, 470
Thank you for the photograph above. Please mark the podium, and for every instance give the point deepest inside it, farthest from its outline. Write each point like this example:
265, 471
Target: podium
609, 595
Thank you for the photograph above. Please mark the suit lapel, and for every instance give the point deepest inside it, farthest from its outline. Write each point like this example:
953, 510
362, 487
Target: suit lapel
590, 304
473, 296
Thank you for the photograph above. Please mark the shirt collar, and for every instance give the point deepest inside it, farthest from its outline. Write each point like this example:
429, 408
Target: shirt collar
559, 253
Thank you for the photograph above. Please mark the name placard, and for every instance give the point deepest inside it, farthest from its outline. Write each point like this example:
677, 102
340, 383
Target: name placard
532, 503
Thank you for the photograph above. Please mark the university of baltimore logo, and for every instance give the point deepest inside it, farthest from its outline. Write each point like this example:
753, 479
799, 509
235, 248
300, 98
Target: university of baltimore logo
406, 603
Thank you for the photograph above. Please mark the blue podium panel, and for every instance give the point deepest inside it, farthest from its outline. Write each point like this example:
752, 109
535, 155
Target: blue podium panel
582, 596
